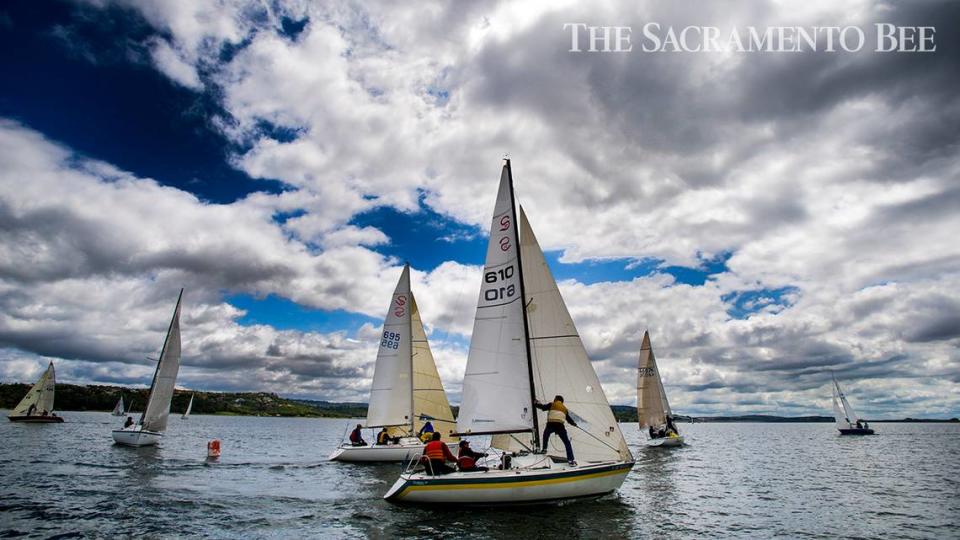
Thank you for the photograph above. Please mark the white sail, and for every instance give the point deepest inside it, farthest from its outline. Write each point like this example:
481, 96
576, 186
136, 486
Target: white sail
496, 384
391, 397
40, 396
161, 391
186, 413
118, 408
561, 365
652, 405
429, 399
843, 413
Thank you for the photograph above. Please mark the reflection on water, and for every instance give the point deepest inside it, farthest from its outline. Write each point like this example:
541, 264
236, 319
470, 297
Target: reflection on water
273, 480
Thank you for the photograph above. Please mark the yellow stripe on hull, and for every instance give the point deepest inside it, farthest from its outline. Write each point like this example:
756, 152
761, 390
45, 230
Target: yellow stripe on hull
490, 491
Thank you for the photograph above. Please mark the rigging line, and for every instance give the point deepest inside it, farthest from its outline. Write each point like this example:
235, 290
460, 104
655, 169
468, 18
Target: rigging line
599, 440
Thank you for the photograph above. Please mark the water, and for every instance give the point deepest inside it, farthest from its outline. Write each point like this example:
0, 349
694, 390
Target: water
273, 480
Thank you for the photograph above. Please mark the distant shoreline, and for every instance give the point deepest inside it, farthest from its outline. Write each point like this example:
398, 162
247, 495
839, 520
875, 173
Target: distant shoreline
102, 398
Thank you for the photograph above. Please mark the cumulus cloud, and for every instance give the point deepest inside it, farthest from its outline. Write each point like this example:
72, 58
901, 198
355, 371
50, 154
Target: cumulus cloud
828, 177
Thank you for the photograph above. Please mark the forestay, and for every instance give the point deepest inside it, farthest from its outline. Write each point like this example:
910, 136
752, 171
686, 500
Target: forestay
165, 378
40, 396
652, 405
561, 365
429, 399
391, 397
496, 385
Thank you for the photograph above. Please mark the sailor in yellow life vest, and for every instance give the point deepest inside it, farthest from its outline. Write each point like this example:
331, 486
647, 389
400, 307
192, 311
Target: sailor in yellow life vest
557, 414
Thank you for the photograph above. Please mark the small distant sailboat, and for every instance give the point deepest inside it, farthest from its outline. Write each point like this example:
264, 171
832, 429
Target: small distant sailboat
186, 413
653, 409
153, 422
118, 409
848, 423
407, 391
524, 348
37, 406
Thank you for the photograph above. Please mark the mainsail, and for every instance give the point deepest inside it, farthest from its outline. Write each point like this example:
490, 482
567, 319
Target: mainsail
496, 385
391, 397
407, 391
525, 347
429, 399
155, 414
40, 396
652, 405
118, 409
186, 413
843, 413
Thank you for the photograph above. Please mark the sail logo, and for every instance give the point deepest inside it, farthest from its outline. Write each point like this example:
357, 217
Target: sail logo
505, 243
646, 372
400, 302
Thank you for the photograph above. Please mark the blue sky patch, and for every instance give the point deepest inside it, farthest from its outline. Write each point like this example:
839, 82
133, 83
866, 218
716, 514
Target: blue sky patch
746, 303
285, 314
425, 238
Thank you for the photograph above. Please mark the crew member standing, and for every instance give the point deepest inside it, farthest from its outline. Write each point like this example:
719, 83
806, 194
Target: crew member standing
557, 414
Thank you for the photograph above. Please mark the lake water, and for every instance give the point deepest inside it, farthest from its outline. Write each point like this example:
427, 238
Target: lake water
273, 480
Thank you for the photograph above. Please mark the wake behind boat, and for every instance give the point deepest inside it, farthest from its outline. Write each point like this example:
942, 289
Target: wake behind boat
37, 406
407, 394
847, 421
653, 409
148, 430
524, 345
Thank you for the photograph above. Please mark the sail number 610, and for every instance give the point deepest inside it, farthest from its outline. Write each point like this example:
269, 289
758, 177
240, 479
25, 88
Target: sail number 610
498, 293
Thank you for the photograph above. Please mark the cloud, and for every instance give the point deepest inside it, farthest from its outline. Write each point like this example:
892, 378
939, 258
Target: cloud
830, 179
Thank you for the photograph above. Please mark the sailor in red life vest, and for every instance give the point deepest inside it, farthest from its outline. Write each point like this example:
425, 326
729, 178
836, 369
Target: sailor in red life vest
356, 437
438, 455
467, 458
557, 414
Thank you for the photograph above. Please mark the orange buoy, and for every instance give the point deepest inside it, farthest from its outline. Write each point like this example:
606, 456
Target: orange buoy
213, 448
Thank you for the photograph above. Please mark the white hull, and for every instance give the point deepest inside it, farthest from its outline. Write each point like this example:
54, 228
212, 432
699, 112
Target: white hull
665, 442
374, 453
132, 437
513, 486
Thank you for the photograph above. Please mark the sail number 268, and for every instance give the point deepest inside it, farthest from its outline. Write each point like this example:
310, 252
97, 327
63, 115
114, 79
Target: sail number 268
498, 293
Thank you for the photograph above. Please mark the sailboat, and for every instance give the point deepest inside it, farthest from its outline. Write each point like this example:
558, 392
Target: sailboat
846, 418
148, 430
118, 409
525, 348
186, 413
37, 406
653, 409
407, 391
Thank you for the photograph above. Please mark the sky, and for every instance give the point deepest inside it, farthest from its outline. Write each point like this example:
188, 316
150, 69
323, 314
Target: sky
772, 218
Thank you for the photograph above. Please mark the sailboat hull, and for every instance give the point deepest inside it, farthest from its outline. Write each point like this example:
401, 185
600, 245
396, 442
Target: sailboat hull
380, 452
129, 437
36, 419
665, 442
512, 486
857, 431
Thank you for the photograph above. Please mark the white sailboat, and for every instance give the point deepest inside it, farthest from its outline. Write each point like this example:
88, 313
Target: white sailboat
847, 421
407, 391
186, 413
37, 406
653, 409
118, 409
153, 422
524, 348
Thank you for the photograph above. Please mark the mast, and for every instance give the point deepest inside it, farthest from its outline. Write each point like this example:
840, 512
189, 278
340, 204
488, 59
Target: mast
160, 359
409, 316
523, 307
